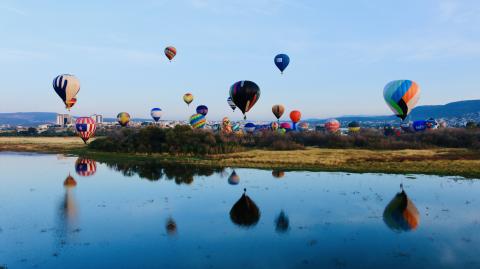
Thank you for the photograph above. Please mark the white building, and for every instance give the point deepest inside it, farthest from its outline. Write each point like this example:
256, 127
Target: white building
97, 118
64, 119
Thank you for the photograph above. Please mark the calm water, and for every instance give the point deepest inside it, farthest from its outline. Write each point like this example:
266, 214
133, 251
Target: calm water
149, 216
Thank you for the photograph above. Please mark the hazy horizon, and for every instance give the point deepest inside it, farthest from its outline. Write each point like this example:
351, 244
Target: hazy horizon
342, 54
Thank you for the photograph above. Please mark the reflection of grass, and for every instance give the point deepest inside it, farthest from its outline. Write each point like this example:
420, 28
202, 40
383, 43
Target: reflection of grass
444, 161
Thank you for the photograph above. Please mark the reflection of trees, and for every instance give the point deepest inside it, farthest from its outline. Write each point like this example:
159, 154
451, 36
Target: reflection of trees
153, 170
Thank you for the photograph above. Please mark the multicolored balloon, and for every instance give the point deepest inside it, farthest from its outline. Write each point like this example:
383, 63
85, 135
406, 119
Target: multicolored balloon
156, 114
401, 96
278, 173
282, 61
85, 127
197, 121
250, 127
231, 103
432, 124
202, 109
85, 167
303, 126
67, 87
123, 118
170, 52
278, 111
274, 126
188, 98
226, 126
401, 214
245, 94
332, 125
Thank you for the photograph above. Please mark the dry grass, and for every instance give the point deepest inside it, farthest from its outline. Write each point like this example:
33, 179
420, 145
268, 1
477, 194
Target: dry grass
40, 144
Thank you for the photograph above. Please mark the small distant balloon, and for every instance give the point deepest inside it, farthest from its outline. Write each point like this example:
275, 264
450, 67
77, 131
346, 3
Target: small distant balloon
123, 118
282, 61
170, 52
295, 116
188, 98
332, 125
233, 179
202, 109
156, 114
278, 111
244, 94
250, 127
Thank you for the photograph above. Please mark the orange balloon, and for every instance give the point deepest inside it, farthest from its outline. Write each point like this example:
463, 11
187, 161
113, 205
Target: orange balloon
295, 116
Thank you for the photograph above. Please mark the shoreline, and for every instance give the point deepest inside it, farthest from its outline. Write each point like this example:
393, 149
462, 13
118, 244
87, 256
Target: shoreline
441, 161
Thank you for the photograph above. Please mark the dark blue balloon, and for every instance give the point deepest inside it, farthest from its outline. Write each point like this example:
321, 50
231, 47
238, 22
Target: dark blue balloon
202, 109
419, 125
282, 61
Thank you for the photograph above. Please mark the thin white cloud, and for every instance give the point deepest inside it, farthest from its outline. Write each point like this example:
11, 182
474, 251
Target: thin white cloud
12, 9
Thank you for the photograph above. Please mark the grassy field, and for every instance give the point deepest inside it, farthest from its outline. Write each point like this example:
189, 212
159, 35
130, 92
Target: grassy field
445, 161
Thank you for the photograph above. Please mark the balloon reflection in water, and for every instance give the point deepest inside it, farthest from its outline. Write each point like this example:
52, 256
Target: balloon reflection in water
278, 173
233, 179
67, 211
171, 226
85, 167
282, 223
401, 215
245, 212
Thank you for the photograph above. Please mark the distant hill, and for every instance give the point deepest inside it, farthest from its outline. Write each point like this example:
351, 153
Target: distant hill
451, 110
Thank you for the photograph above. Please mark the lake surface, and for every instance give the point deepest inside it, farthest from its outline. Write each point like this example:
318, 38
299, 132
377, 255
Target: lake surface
65, 212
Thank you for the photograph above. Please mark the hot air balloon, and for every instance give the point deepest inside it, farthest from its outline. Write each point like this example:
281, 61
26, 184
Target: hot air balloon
197, 121
170, 52
226, 126
236, 127
332, 125
249, 127
245, 212
407, 127
156, 114
69, 182
85, 127
401, 96
442, 124
278, 173
67, 87
432, 124
233, 179
123, 118
278, 110
245, 94
401, 215
231, 103
85, 167
282, 223
202, 109
285, 125
188, 98
274, 126
303, 126
295, 116
282, 61
354, 127
419, 125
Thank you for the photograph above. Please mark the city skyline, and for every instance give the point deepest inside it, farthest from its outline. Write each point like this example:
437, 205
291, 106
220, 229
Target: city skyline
342, 54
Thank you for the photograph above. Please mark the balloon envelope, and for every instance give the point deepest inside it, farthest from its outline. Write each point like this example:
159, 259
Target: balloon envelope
244, 94
401, 96
245, 212
231, 103
202, 109
85, 127
419, 125
332, 125
123, 118
250, 127
233, 179
170, 52
285, 125
281, 61
188, 98
197, 121
156, 114
295, 116
278, 111
67, 87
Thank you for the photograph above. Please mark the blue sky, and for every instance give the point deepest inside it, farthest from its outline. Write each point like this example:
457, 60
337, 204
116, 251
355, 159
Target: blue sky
342, 54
